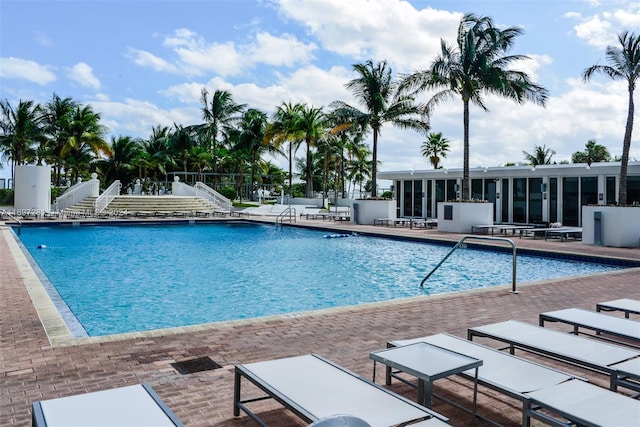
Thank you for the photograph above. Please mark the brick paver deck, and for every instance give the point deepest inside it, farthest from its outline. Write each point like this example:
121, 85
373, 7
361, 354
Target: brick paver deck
32, 368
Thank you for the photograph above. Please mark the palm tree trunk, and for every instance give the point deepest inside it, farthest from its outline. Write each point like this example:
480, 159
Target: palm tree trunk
290, 169
374, 167
626, 146
465, 165
309, 172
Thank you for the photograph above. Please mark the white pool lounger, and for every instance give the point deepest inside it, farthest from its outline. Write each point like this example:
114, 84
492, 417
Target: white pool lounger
598, 322
542, 389
314, 388
621, 364
136, 405
625, 305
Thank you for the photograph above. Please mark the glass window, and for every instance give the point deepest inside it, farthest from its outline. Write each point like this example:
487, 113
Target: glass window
610, 191
429, 194
417, 199
570, 201
633, 190
505, 200
440, 192
553, 199
535, 200
589, 190
490, 194
520, 200
451, 190
406, 206
397, 194
476, 189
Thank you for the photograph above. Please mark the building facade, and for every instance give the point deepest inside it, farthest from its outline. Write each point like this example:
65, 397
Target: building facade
520, 194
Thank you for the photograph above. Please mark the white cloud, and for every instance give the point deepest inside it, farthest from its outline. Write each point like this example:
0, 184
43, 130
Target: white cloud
285, 50
16, 68
82, 74
43, 40
149, 60
601, 29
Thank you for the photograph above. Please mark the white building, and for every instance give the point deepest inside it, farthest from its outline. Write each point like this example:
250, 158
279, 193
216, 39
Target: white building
520, 194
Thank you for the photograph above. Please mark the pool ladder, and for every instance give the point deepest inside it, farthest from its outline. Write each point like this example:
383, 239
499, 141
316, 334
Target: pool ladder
289, 212
461, 244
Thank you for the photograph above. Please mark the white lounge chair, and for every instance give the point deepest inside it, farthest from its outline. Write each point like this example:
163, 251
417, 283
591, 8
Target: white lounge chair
583, 404
546, 394
598, 322
625, 305
136, 405
621, 364
314, 388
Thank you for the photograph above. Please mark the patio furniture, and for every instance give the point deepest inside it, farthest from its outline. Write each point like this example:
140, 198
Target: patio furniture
626, 305
600, 323
136, 405
582, 404
427, 363
314, 388
502, 372
563, 233
621, 364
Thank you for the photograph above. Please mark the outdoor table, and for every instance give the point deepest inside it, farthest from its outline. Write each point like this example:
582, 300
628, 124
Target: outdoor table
427, 363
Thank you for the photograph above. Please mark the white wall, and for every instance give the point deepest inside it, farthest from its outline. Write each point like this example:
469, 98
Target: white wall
33, 188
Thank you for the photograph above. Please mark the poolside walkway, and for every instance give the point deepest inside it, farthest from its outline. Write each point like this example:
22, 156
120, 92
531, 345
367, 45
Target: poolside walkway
32, 369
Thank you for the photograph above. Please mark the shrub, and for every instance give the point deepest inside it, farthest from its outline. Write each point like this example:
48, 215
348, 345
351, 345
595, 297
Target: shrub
229, 192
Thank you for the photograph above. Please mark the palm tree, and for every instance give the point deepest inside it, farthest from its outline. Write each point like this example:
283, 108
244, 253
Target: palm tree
283, 130
434, 147
85, 140
219, 114
181, 141
625, 65
384, 103
57, 119
541, 155
593, 153
119, 165
477, 65
310, 126
249, 139
21, 129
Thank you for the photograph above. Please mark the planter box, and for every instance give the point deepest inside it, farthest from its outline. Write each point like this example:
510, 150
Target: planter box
619, 226
365, 211
458, 217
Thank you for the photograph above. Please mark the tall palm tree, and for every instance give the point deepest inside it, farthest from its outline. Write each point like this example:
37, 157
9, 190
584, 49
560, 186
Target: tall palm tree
219, 113
477, 65
249, 140
283, 130
434, 147
384, 103
310, 126
625, 65
85, 140
181, 141
57, 121
541, 155
21, 129
119, 165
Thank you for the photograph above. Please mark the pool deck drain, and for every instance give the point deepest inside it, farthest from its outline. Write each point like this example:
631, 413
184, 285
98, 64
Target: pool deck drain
32, 369
192, 366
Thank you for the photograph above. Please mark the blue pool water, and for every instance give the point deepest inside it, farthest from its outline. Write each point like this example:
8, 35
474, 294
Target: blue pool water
118, 279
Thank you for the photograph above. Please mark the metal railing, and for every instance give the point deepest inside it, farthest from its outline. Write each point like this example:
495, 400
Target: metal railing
107, 196
461, 244
203, 191
77, 193
13, 217
288, 212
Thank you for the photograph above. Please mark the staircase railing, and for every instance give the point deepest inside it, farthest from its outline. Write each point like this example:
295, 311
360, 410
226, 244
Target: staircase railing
289, 212
107, 196
461, 244
203, 191
77, 193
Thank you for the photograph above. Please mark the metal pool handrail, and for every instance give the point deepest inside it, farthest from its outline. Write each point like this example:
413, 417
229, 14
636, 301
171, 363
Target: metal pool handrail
7, 213
290, 211
459, 244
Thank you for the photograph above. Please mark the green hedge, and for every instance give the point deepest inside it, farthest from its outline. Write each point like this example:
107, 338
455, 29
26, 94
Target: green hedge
6, 197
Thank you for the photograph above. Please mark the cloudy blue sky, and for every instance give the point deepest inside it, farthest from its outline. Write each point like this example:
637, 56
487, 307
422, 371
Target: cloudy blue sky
144, 63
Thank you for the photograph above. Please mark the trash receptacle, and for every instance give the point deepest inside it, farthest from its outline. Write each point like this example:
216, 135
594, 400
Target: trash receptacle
597, 228
355, 213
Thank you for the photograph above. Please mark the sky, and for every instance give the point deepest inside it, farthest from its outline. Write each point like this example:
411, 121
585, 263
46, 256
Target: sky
140, 64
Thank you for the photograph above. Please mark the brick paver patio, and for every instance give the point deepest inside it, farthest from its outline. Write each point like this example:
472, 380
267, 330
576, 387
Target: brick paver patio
32, 369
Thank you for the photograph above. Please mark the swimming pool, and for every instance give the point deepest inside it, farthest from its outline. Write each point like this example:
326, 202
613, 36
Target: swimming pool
117, 279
